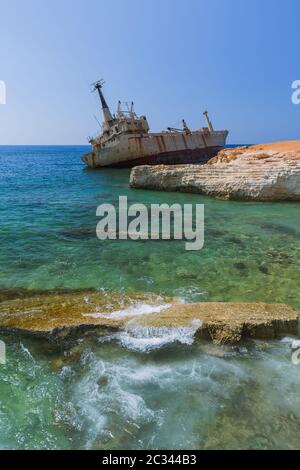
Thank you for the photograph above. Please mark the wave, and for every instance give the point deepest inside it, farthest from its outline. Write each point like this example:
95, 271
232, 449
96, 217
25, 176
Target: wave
294, 343
131, 311
145, 339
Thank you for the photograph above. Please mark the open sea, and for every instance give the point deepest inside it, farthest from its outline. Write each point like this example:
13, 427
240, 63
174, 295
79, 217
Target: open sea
122, 392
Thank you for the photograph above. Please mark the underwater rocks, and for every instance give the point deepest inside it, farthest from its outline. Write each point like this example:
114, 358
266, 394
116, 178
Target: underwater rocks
78, 232
269, 172
65, 314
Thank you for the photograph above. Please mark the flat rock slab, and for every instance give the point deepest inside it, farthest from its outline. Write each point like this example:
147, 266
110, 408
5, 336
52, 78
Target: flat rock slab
52, 311
230, 322
60, 314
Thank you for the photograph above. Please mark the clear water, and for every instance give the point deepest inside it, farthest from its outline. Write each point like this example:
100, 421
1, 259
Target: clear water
124, 392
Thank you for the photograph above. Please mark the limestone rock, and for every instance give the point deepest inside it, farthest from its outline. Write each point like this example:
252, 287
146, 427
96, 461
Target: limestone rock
262, 173
63, 314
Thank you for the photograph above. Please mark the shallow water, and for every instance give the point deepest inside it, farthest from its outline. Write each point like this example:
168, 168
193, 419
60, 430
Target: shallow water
48, 217
142, 389
104, 395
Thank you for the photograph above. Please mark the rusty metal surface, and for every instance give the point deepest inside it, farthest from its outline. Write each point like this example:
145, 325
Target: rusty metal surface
125, 137
130, 148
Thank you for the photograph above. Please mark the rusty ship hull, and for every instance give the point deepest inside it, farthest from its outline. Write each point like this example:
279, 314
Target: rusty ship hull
163, 148
125, 141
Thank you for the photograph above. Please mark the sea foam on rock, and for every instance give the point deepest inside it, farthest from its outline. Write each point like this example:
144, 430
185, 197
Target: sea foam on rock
66, 314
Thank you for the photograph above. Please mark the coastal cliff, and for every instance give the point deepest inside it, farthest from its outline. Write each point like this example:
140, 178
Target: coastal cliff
268, 172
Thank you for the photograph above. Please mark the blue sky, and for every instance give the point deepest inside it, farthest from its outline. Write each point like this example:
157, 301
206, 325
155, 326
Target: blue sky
174, 58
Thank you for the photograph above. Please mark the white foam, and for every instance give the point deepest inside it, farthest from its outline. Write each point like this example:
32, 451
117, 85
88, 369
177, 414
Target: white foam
190, 294
132, 311
26, 351
145, 339
295, 343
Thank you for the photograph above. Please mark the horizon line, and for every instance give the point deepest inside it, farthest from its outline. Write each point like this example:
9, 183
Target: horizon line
87, 145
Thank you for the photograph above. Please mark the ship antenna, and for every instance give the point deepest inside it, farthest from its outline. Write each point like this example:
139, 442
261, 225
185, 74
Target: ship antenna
97, 120
97, 86
209, 124
132, 112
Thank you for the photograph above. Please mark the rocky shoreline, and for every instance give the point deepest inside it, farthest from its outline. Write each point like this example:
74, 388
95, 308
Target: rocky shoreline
268, 172
60, 315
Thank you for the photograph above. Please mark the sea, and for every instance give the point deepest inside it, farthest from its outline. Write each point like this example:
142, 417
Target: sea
142, 390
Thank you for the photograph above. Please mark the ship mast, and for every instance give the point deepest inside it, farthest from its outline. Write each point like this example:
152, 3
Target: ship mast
106, 111
209, 124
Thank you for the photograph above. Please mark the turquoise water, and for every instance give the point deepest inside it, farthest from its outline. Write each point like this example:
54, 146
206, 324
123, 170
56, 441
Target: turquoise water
107, 393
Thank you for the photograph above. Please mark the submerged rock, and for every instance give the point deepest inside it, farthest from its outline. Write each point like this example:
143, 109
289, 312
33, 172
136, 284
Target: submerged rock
282, 229
63, 314
261, 172
240, 266
263, 268
78, 232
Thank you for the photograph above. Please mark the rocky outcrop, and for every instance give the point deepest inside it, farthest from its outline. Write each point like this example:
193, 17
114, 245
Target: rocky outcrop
267, 172
224, 322
61, 315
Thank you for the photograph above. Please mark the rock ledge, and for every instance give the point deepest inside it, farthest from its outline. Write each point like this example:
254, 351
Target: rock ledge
59, 315
269, 172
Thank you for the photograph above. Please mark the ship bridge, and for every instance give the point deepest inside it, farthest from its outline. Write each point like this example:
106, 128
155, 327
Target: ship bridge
125, 121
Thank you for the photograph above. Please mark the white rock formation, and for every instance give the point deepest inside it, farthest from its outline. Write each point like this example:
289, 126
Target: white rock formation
262, 172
